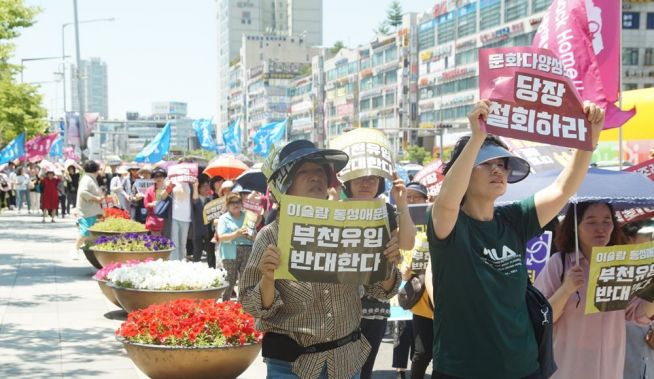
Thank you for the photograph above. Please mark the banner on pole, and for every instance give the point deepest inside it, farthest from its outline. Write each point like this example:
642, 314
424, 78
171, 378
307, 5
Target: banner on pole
332, 241
618, 274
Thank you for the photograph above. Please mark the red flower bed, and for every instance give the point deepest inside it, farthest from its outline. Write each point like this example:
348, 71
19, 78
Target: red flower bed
192, 323
115, 213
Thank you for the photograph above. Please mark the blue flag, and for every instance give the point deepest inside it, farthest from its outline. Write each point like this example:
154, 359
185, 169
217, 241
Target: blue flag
204, 131
232, 137
14, 149
57, 148
157, 149
268, 135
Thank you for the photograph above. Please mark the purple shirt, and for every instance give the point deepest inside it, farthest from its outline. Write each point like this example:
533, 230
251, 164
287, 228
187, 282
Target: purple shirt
587, 346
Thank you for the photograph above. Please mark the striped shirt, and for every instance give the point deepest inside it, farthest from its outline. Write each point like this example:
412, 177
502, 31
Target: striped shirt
310, 313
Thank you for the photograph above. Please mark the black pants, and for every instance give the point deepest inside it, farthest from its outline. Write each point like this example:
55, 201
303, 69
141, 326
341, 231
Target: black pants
402, 343
62, 204
374, 331
423, 337
203, 243
436, 375
11, 199
71, 201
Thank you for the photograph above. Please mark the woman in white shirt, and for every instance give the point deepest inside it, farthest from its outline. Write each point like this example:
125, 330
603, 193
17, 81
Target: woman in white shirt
22, 189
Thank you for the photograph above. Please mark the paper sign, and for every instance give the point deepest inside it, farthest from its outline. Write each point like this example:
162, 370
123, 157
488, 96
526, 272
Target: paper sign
142, 185
250, 222
618, 274
634, 214
369, 152
646, 168
109, 201
253, 205
213, 210
183, 173
538, 253
531, 98
431, 176
332, 241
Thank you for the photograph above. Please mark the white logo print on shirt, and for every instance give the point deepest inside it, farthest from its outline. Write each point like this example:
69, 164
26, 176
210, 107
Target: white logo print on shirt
506, 253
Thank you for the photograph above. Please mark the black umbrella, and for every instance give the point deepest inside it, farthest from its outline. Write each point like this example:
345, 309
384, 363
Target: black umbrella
253, 179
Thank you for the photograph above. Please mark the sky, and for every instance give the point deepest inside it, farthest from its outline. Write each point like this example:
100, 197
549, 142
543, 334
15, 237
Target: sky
160, 50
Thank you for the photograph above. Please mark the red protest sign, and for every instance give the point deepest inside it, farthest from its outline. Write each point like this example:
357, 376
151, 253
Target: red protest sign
646, 168
531, 98
431, 176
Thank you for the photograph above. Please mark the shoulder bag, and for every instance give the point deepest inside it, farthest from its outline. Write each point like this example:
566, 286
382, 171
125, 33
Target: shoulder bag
161, 208
540, 314
409, 295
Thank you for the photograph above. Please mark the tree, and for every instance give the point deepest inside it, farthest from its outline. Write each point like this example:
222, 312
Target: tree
394, 14
417, 154
20, 103
338, 45
382, 29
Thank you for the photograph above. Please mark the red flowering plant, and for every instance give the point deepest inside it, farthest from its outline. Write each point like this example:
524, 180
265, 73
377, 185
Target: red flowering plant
115, 213
191, 323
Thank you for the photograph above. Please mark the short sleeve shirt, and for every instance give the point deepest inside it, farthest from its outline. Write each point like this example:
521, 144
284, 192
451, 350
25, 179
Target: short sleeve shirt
481, 325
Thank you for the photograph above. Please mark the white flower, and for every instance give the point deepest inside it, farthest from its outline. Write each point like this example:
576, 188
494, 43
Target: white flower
168, 275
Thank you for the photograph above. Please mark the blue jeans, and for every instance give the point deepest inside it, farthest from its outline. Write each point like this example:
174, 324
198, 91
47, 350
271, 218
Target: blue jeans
278, 369
23, 196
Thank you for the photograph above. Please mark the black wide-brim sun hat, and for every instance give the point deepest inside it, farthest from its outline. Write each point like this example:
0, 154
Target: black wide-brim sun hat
518, 168
304, 150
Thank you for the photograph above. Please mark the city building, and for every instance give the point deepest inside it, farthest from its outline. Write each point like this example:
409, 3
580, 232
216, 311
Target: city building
449, 38
168, 110
637, 44
259, 81
341, 91
307, 96
93, 73
281, 18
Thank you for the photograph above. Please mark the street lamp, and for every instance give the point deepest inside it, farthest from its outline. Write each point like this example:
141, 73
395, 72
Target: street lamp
63, 48
23, 60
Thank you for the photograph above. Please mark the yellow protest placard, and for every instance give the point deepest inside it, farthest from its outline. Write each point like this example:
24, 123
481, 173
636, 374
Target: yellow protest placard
213, 209
369, 151
618, 274
332, 241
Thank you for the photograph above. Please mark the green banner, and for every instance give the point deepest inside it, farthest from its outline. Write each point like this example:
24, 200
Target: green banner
369, 152
618, 274
333, 241
213, 209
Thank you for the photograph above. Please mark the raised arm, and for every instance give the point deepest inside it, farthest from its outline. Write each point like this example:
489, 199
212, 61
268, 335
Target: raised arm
407, 233
551, 199
446, 210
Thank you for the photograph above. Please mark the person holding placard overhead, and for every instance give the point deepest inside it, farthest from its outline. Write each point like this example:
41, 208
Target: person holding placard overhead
362, 186
482, 327
591, 346
311, 329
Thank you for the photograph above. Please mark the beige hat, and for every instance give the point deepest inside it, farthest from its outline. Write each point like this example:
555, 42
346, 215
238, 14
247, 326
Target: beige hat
227, 184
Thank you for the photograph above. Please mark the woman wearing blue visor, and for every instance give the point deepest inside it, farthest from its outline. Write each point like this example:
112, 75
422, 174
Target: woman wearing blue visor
482, 327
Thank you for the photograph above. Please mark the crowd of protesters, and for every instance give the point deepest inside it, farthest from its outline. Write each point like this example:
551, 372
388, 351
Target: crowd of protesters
472, 320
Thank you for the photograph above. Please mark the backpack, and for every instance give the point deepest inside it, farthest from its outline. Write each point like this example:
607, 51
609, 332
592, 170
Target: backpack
540, 314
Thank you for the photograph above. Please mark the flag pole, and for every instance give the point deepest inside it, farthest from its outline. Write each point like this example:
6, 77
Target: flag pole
620, 89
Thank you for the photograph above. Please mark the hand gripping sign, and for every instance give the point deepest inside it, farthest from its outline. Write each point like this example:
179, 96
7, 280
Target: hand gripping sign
531, 98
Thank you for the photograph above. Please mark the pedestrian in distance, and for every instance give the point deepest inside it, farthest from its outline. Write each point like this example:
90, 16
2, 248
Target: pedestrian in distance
482, 328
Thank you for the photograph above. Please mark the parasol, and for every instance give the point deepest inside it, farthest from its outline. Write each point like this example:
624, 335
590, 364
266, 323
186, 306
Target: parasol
225, 166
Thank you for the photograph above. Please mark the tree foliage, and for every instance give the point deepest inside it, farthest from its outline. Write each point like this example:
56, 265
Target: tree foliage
338, 45
20, 103
394, 14
417, 154
382, 28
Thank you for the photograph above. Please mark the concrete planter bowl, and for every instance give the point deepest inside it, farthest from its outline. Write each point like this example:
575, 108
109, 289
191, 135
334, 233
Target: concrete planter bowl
131, 299
172, 362
107, 292
105, 257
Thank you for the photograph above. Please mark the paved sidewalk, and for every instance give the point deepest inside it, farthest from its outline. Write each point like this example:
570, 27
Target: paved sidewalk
55, 322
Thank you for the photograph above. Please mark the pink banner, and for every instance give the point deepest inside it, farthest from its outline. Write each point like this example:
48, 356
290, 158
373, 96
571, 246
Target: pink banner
582, 34
646, 168
38, 147
431, 176
183, 172
531, 98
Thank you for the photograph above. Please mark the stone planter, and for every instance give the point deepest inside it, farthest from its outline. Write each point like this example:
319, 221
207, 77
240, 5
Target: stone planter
97, 234
105, 257
132, 299
163, 362
107, 292
90, 256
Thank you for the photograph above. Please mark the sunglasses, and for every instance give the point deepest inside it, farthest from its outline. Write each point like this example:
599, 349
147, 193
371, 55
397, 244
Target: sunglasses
159, 176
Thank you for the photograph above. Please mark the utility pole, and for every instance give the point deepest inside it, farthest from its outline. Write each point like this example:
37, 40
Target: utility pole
80, 88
